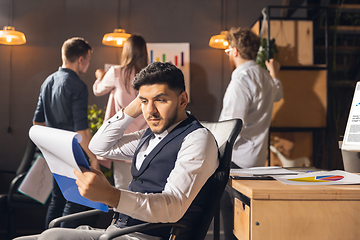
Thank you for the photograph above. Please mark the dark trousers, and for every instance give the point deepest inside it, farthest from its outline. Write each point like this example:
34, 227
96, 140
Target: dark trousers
59, 206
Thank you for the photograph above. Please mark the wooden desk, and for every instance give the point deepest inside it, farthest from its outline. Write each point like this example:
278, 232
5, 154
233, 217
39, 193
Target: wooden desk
272, 210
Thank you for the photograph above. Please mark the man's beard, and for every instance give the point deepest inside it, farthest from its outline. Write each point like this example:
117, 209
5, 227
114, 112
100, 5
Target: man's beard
167, 124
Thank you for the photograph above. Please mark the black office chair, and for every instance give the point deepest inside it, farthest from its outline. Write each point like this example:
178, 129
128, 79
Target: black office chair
13, 199
225, 133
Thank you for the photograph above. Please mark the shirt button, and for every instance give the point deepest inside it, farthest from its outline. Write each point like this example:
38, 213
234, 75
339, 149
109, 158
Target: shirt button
117, 117
145, 155
159, 137
109, 122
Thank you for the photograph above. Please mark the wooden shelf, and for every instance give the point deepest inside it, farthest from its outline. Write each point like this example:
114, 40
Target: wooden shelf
305, 67
345, 6
343, 83
345, 28
340, 49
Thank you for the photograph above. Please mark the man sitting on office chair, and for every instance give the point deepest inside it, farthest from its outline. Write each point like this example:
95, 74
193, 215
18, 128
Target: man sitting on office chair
172, 161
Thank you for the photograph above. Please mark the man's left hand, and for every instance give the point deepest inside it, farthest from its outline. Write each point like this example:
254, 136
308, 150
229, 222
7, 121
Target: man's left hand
274, 67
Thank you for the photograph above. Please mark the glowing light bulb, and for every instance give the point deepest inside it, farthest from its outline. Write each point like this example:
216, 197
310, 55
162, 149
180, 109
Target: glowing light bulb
116, 38
9, 36
219, 41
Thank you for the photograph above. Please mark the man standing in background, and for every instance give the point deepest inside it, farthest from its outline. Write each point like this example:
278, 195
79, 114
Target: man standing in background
250, 96
62, 104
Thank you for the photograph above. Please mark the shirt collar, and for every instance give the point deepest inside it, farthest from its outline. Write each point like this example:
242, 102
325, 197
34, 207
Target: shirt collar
67, 70
245, 65
166, 132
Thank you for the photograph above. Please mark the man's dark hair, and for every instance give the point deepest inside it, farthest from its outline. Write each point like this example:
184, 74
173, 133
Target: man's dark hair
245, 41
74, 48
160, 73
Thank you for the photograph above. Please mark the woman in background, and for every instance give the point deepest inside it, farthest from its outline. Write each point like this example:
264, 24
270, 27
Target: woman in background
117, 81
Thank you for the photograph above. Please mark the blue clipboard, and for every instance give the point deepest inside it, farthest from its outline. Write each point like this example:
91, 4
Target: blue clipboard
68, 185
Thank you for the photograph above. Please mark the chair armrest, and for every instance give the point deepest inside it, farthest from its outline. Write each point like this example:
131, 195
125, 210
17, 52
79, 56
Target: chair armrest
141, 227
15, 183
57, 221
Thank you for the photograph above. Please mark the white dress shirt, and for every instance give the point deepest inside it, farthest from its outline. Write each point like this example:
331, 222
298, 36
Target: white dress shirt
197, 160
250, 96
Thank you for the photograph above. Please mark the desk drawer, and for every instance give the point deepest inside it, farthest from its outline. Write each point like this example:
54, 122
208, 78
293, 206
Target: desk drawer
241, 220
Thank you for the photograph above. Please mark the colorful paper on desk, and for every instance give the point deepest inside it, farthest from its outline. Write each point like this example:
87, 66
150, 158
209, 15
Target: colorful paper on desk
320, 178
63, 154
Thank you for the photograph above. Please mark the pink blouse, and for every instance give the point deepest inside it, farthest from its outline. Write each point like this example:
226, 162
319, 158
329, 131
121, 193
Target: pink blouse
113, 82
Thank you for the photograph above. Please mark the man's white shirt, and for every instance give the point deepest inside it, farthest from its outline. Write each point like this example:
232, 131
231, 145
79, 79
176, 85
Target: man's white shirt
250, 96
197, 160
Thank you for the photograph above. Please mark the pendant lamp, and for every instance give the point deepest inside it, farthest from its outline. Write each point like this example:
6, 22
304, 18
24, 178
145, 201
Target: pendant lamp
219, 41
116, 38
119, 36
8, 35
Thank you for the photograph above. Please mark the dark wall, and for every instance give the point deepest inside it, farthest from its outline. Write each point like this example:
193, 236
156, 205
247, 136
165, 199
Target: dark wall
47, 23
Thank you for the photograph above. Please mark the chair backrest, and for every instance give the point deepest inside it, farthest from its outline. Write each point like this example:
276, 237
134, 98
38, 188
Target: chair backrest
225, 133
28, 158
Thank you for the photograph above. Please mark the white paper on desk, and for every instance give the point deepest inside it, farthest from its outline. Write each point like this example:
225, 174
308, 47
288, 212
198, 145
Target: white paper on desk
320, 178
262, 171
63, 154
37, 183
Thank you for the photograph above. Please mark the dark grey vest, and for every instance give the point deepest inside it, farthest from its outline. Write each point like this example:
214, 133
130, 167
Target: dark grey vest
151, 178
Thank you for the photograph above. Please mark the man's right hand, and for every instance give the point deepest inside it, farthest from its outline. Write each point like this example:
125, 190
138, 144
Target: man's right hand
99, 73
134, 108
94, 186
